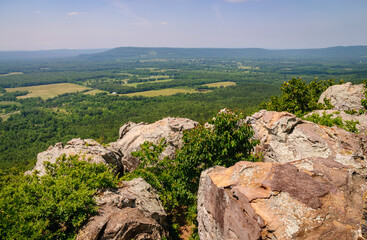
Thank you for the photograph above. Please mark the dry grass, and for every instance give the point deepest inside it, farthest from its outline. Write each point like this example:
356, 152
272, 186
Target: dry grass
94, 92
7, 115
162, 92
12, 73
49, 90
10, 103
136, 84
220, 84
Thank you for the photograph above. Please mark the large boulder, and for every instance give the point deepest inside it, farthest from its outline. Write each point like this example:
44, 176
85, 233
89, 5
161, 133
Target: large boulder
132, 135
311, 185
345, 96
133, 211
87, 149
286, 138
311, 198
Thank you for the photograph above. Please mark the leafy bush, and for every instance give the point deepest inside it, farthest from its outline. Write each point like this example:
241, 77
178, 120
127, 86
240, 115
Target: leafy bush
299, 98
228, 141
53, 206
329, 120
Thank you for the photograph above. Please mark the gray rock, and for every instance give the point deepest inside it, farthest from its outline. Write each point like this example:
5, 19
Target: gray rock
345, 96
285, 138
132, 135
312, 185
87, 149
133, 211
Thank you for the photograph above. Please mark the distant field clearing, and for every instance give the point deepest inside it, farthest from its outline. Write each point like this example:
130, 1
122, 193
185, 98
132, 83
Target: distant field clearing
49, 90
220, 84
94, 92
162, 92
12, 73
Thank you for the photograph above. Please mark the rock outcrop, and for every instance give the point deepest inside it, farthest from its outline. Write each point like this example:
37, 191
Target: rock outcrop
132, 135
87, 149
345, 96
286, 138
133, 211
312, 185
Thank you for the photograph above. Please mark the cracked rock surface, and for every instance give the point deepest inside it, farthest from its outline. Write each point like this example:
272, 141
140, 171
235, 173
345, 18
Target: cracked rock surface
312, 185
133, 211
132, 135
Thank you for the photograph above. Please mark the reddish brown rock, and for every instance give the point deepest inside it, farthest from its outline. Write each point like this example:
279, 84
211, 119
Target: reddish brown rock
132, 135
281, 201
312, 185
131, 212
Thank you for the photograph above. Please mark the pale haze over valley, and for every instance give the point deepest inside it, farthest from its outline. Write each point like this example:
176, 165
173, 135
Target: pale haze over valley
272, 24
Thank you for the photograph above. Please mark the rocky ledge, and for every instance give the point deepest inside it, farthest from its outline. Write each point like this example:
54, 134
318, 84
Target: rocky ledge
312, 185
133, 211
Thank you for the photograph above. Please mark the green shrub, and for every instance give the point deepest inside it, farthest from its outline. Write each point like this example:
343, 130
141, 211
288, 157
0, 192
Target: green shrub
227, 142
53, 206
329, 120
299, 98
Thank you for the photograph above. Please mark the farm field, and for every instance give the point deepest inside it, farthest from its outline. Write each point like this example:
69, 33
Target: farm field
220, 84
49, 90
162, 92
94, 92
10, 103
136, 84
12, 73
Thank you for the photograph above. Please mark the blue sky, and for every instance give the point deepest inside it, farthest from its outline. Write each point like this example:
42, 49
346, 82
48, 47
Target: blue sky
274, 24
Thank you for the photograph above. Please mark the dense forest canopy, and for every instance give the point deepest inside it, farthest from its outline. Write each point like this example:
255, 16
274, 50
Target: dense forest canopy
245, 78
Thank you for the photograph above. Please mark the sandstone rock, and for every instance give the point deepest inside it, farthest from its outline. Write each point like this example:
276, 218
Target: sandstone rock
361, 118
132, 135
86, 149
131, 212
313, 198
285, 138
345, 96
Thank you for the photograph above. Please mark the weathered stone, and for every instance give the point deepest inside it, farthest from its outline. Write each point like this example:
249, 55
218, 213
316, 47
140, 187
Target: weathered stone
87, 149
345, 96
285, 138
131, 212
132, 135
311, 198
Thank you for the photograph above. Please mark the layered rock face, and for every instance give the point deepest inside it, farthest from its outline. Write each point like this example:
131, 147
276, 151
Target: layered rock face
87, 149
131, 212
312, 185
345, 96
132, 135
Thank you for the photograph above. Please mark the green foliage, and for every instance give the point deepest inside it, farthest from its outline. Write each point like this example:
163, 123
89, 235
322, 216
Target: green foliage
329, 120
299, 98
55, 205
228, 141
364, 101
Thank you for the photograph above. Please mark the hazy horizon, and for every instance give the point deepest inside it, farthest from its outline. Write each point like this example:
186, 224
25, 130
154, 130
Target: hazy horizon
33, 25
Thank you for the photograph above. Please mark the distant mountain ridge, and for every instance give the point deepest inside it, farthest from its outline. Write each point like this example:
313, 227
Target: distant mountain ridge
124, 53
46, 54
146, 53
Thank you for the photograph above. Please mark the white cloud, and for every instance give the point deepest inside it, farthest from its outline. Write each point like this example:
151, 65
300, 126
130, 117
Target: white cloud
37, 12
129, 13
163, 23
75, 13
